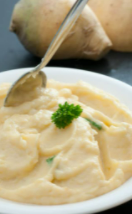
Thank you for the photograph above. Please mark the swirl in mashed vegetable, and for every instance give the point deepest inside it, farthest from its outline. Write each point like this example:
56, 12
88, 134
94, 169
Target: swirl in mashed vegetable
42, 164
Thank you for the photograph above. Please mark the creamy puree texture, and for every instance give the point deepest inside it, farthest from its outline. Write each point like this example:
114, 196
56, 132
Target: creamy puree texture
88, 162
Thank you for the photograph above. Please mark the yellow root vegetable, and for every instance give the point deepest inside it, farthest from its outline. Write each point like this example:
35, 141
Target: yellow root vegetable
36, 21
115, 17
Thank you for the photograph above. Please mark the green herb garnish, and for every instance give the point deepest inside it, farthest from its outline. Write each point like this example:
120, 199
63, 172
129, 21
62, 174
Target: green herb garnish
65, 114
96, 125
50, 160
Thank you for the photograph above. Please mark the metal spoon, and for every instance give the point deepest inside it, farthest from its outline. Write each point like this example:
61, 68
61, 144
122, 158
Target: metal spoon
20, 90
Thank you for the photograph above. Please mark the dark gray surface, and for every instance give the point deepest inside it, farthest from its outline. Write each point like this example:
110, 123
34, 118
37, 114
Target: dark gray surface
13, 55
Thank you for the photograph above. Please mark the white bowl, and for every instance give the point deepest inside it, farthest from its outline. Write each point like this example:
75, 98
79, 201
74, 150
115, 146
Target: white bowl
120, 195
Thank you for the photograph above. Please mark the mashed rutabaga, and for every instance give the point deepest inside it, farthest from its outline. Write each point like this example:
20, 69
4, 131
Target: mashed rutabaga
41, 164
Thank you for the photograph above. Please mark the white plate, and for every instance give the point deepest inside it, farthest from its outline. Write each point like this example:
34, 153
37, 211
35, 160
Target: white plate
120, 195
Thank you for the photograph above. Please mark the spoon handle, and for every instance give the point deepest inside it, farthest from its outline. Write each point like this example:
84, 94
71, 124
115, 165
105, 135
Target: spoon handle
63, 31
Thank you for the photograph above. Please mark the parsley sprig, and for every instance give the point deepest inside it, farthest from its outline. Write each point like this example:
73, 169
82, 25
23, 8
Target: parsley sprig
65, 114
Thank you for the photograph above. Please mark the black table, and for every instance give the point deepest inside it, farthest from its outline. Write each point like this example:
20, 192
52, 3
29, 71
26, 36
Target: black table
13, 55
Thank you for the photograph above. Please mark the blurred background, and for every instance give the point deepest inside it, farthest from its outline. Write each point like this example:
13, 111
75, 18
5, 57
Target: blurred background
13, 55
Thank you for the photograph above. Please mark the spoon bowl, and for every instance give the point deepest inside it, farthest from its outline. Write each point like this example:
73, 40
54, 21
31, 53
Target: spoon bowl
21, 91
